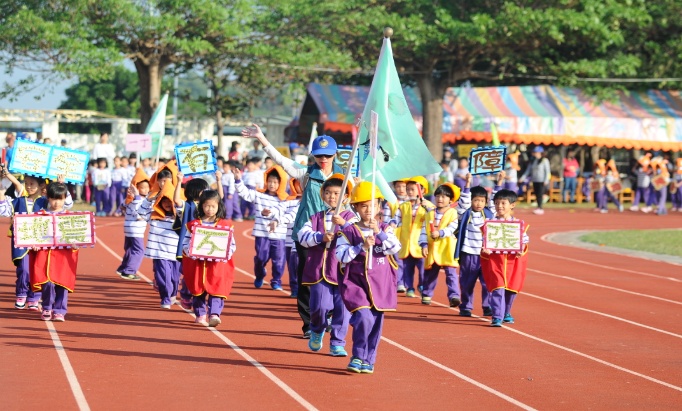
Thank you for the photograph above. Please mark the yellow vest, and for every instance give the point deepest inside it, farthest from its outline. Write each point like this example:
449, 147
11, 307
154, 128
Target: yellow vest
394, 207
441, 250
410, 230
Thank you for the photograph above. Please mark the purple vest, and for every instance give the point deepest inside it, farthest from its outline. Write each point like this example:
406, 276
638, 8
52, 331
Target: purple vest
375, 288
321, 263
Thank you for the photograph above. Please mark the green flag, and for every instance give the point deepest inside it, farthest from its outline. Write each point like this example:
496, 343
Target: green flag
157, 129
493, 131
401, 150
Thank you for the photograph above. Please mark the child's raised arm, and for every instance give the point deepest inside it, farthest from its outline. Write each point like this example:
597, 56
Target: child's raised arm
18, 187
177, 195
219, 181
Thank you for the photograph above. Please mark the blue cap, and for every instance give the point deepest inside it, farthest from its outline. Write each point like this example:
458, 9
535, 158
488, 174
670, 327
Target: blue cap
323, 145
538, 149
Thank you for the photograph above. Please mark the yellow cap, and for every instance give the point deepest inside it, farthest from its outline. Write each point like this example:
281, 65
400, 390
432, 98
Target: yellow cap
363, 192
421, 181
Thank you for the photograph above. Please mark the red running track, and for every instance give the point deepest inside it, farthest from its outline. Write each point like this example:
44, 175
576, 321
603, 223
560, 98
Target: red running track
593, 330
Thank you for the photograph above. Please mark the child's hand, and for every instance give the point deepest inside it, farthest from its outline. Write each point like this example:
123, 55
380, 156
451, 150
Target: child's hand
229, 196
61, 178
273, 226
435, 234
237, 174
180, 178
393, 224
218, 176
425, 252
328, 237
468, 179
368, 243
132, 190
486, 251
266, 212
338, 220
374, 226
500, 177
75, 247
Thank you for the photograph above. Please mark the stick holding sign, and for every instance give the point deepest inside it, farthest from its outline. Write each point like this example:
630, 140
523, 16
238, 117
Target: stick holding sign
373, 147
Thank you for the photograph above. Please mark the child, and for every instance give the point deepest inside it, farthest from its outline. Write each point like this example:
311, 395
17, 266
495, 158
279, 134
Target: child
102, 181
445, 176
147, 166
227, 181
410, 219
438, 244
389, 211
319, 236
133, 228
252, 179
609, 177
115, 194
285, 213
269, 245
642, 172
128, 174
210, 280
89, 190
660, 192
162, 242
236, 207
511, 180
132, 160
504, 273
472, 213
461, 173
676, 187
368, 290
53, 271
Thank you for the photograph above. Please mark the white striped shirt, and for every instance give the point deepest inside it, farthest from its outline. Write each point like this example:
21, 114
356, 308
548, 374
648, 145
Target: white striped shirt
310, 238
134, 226
346, 252
473, 238
448, 231
188, 237
162, 242
6, 207
285, 213
262, 201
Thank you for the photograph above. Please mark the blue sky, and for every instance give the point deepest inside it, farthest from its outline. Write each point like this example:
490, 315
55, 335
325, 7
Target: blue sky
50, 100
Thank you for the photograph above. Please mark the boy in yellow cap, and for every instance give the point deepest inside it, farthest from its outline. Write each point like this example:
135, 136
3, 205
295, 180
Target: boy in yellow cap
389, 211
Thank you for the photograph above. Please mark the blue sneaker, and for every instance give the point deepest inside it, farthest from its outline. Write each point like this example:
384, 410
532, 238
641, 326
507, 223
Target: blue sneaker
508, 319
496, 322
306, 335
258, 283
315, 344
294, 295
367, 368
337, 351
355, 365
277, 287
464, 313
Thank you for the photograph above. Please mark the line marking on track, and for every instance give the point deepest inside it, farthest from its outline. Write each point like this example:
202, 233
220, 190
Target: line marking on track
68, 369
604, 286
613, 317
260, 367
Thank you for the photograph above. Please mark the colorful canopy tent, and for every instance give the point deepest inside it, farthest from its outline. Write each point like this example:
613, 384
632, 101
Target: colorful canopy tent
531, 114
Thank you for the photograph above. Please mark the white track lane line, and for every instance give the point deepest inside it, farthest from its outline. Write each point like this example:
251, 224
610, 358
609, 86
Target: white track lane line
68, 369
604, 286
260, 367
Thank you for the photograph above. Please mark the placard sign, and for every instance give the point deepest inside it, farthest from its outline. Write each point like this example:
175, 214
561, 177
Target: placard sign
196, 158
46, 161
659, 182
487, 160
54, 230
138, 142
501, 236
210, 243
343, 155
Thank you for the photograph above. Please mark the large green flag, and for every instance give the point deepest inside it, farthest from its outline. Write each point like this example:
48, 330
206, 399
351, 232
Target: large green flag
157, 129
401, 152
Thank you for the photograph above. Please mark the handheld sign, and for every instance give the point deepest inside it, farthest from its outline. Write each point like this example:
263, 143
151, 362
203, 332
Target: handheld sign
138, 142
45, 161
501, 236
73, 164
343, 159
210, 243
33, 230
659, 182
74, 229
54, 230
487, 160
196, 158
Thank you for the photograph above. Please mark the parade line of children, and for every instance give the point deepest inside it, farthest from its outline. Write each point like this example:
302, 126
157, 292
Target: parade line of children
359, 260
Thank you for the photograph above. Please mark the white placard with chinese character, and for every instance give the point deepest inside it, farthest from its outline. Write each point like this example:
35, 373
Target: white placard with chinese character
487, 160
74, 229
210, 243
33, 230
501, 236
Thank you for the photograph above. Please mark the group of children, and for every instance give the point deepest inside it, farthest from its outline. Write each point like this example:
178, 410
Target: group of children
359, 259
654, 181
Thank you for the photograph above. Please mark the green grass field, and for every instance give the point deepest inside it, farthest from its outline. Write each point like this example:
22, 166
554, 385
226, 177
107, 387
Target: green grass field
667, 242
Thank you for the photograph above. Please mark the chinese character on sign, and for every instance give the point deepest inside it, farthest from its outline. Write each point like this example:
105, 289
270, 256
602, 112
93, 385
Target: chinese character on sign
487, 160
503, 236
210, 243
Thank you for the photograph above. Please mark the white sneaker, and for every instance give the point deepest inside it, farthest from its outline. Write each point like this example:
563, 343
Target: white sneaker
634, 208
603, 211
646, 210
201, 320
166, 306
539, 211
214, 321
620, 208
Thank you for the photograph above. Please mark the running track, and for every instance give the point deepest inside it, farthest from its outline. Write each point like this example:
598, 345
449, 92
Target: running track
593, 330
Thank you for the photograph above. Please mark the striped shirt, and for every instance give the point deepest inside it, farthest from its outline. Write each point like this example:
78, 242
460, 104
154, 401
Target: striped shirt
346, 252
134, 226
285, 213
262, 201
473, 239
162, 242
7, 209
643, 178
188, 237
310, 238
448, 231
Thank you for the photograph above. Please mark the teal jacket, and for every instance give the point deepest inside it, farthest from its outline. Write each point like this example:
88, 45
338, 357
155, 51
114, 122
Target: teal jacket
311, 201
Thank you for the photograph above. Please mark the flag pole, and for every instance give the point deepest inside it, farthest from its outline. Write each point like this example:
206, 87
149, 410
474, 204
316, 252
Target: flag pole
373, 211
356, 144
313, 136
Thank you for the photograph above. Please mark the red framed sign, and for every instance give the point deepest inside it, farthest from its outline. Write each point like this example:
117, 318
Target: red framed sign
54, 230
210, 243
502, 236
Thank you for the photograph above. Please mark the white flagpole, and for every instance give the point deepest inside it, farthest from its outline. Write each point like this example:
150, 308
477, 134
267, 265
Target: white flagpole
373, 146
313, 136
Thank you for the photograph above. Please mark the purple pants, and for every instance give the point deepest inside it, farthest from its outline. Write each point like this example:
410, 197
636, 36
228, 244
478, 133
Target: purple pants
167, 276
641, 194
653, 196
215, 305
451, 280
510, 185
399, 273
266, 250
677, 198
247, 207
116, 196
662, 196
292, 266
367, 324
102, 200
227, 202
603, 197
326, 298
469, 272
409, 265
501, 301
55, 298
185, 294
236, 210
132, 258
23, 285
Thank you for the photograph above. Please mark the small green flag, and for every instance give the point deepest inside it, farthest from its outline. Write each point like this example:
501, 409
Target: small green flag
401, 149
156, 128
493, 131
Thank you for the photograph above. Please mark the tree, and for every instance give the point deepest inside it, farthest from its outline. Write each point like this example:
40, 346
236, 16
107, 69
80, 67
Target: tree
84, 37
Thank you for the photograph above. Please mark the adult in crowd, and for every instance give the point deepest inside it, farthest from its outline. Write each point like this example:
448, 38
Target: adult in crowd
571, 168
540, 174
257, 152
311, 177
104, 149
234, 153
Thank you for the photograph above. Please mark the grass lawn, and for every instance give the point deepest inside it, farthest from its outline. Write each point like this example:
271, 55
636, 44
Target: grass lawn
668, 242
